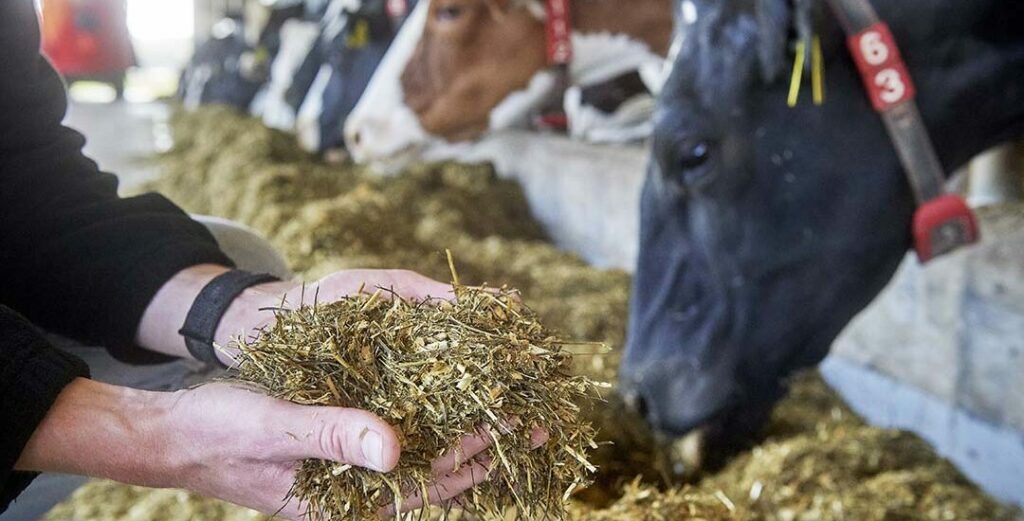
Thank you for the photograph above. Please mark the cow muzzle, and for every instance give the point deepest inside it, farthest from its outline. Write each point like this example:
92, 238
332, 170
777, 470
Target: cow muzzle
387, 137
677, 397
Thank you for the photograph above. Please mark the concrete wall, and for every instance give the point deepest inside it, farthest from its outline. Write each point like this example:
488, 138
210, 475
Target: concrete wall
956, 327
940, 352
587, 196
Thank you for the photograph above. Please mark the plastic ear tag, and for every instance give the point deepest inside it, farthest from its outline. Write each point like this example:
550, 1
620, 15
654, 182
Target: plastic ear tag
881, 67
817, 72
360, 35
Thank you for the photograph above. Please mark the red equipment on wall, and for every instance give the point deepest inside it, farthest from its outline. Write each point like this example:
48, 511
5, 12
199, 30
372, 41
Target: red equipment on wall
88, 39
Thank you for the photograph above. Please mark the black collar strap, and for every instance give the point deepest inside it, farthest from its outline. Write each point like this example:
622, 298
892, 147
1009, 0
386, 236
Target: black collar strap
213, 300
942, 222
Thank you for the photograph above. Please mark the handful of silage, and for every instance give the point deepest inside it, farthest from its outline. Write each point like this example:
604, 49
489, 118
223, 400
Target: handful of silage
437, 371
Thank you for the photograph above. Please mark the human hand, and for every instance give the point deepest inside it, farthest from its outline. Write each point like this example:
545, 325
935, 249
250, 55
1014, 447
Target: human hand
227, 442
252, 459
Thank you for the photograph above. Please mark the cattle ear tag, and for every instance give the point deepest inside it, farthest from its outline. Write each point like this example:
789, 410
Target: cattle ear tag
360, 35
817, 72
942, 225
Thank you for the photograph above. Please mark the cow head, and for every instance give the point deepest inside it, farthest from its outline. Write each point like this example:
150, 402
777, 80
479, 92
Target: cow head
460, 68
765, 229
453, 62
473, 54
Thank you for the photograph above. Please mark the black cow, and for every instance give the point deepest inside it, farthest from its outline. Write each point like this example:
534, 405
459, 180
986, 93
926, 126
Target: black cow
225, 69
218, 72
338, 69
765, 229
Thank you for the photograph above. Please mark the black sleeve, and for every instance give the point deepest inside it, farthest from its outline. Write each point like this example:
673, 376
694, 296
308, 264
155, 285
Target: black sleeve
32, 374
74, 257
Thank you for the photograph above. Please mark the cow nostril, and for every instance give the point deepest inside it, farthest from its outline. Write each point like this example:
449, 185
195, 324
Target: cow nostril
357, 138
635, 402
640, 405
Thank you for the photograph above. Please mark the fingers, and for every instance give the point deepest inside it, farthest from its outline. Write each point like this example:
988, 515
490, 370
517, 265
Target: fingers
451, 483
348, 436
474, 444
412, 285
407, 284
538, 437
469, 447
447, 487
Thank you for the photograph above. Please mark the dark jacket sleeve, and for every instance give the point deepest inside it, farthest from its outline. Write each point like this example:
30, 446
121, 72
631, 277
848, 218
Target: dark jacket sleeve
74, 257
32, 374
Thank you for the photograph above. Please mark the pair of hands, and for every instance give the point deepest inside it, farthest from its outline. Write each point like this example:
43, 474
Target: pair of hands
227, 442
252, 460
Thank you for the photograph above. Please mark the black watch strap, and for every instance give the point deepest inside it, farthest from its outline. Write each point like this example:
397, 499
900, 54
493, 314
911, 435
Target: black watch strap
204, 316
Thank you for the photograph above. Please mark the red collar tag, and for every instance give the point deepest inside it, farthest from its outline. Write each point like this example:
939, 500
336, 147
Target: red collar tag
881, 67
943, 222
559, 32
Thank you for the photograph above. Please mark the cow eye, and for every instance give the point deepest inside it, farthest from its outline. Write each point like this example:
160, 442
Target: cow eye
694, 154
692, 162
448, 13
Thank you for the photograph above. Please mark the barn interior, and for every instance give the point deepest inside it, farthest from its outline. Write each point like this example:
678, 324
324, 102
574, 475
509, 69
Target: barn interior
256, 116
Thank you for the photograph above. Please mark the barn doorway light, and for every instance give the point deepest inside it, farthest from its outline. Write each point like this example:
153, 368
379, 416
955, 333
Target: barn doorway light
150, 20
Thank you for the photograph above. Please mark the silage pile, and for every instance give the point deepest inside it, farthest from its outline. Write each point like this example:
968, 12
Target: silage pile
818, 461
326, 217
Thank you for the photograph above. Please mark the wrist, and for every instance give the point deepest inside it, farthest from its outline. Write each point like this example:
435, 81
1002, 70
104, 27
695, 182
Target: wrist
251, 311
158, 330
101, 430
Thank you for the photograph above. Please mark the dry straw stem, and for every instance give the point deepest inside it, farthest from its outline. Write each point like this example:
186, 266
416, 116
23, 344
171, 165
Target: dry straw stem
437, 370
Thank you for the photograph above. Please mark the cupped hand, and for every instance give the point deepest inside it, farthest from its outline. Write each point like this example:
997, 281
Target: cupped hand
454, 473
240, 446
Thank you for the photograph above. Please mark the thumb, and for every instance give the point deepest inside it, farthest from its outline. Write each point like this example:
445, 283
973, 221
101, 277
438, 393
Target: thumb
349, 436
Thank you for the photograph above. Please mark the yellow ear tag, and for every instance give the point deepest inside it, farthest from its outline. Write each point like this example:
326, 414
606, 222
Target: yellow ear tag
797, 77
360, 35
817, 73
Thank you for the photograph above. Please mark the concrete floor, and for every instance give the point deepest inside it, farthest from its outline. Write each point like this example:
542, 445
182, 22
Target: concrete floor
122, 136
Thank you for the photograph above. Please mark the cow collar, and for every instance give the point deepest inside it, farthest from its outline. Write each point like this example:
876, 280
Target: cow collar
558, 27
558, 30
942, 222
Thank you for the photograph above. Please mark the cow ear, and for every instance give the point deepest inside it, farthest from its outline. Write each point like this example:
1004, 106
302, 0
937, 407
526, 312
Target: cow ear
773, 23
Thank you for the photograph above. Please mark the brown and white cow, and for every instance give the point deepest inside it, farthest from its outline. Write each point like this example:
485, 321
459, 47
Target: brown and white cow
460, 68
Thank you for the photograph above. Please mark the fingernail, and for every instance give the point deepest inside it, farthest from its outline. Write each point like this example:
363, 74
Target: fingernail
373, 449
